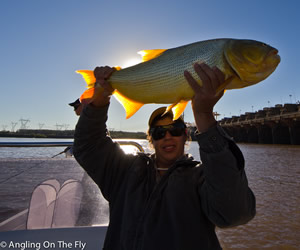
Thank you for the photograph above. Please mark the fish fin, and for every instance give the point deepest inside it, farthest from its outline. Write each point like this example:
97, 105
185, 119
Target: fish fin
178, 109
90, 94
169, 108
87, 96
223, 86
117, 68
88, 76
150, 54
130, 106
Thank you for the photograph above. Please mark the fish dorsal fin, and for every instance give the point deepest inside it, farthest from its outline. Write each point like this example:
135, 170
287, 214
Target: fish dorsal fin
88, 76
130, 106
150, 54
117, 68
177, 109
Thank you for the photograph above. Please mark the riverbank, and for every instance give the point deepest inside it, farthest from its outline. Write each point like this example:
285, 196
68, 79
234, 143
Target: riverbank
69, 134
65, 134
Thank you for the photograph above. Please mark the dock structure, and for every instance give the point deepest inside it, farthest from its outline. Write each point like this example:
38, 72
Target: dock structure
272, 125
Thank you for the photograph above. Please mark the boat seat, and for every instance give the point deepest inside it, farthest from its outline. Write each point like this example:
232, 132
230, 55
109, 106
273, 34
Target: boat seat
54, 206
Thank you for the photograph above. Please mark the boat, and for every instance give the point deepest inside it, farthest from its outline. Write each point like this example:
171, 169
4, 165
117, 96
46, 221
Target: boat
47, 206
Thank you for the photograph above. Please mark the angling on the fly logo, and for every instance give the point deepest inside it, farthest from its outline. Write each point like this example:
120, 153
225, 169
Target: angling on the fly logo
60, 244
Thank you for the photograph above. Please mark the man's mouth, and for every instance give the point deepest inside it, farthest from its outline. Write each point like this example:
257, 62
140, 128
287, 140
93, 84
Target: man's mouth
169, 148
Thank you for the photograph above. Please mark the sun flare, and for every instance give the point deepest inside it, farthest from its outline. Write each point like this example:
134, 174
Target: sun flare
132, 61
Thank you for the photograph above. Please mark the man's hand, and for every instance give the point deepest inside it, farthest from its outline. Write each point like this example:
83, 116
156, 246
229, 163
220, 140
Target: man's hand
102, 96
206, 96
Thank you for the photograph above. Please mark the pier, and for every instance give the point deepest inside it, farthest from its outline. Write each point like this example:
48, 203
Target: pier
271, 125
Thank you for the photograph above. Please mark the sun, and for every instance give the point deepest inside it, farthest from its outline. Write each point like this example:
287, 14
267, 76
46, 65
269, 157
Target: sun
132, 61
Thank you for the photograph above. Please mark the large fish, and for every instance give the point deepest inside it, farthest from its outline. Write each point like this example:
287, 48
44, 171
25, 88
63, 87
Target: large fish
160, 77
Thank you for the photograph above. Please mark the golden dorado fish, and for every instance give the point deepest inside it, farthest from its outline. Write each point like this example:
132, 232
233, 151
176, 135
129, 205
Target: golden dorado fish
160, 77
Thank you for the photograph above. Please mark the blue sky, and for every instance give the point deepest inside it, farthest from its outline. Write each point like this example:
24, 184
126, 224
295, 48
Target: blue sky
43, 43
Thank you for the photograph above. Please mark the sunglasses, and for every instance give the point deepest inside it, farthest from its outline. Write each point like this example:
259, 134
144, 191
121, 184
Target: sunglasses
175, 129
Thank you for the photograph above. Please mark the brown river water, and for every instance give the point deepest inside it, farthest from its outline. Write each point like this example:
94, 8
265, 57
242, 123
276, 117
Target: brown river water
274, 176
273, 173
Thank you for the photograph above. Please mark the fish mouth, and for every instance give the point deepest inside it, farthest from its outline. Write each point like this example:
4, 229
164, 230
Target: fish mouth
273, 55
273, 52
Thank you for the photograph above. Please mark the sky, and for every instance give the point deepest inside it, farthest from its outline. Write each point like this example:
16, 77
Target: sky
44, 42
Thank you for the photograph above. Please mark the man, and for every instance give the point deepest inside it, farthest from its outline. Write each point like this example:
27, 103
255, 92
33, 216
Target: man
77, 105
167, 200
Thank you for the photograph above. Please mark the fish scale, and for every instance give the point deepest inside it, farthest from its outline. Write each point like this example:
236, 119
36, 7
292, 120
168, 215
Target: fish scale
167, 71
160, 79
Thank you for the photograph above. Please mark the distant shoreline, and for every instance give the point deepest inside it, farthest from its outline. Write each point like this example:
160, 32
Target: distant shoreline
69, 134
66, 134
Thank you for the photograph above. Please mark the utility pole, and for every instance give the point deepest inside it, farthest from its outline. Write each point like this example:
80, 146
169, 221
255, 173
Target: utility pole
216, 114
13, 126
59, 126
24, 123
4, 127
41, 125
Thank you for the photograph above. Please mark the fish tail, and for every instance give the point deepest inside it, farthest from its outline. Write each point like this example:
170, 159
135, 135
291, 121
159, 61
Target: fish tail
88, 95
88, 76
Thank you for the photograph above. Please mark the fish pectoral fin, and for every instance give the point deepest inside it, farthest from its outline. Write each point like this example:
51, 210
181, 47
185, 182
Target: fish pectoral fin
169, 108
177, 109
150, 54
130, 106
88, 76
223, 86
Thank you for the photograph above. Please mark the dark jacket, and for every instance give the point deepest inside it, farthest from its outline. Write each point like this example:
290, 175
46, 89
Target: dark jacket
183, 208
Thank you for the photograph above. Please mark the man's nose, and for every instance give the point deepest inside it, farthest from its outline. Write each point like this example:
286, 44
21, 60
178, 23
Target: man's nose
168, 135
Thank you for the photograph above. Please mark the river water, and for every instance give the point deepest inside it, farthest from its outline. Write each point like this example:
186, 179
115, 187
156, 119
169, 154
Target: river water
273, 173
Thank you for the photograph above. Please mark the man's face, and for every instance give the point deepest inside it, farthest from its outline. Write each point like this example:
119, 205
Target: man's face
169, 148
